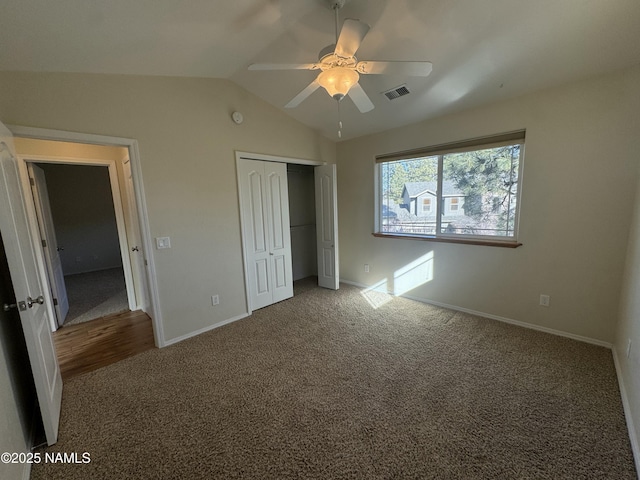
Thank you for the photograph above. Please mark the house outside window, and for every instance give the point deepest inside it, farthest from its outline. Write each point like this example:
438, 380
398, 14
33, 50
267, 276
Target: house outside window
465, 190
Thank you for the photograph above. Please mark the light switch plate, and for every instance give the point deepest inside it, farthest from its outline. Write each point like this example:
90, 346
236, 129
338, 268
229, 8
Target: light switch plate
163, 242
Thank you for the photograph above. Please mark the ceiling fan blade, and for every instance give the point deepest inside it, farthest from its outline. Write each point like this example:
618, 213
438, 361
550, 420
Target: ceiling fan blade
411, 69
360, 98
298, 99
351, 36
284, 66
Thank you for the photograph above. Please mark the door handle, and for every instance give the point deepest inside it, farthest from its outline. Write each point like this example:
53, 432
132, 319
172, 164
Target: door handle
22, 306
31, 301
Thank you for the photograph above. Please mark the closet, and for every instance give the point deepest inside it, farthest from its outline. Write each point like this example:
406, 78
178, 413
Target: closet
302, 213
272, 218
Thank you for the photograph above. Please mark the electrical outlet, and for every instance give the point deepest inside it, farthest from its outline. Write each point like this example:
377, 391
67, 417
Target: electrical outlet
628, 348
366, 268
215, 300
544, 300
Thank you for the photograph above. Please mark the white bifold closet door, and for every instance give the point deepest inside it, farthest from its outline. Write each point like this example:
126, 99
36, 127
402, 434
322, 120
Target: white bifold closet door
264, 203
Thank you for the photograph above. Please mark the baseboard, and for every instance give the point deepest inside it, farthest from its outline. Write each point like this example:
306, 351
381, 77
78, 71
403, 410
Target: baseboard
511, 321
635, 441
93, 270
203, 330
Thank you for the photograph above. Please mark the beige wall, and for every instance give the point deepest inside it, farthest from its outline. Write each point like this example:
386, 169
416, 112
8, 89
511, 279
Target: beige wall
83, 214
580, 171
629, 328
187, 142
76, 151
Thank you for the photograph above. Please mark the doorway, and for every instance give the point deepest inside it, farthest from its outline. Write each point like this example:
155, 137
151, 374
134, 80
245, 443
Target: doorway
302, 215
129, 175
85, 231
82, 212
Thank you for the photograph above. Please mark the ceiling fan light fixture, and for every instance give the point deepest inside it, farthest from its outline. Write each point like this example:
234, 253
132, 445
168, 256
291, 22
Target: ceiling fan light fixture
338, 81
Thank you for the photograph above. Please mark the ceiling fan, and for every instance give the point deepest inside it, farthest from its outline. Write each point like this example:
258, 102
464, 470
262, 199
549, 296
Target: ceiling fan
341, 70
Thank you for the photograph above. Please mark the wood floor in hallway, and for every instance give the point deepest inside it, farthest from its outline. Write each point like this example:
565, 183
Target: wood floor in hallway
91, 345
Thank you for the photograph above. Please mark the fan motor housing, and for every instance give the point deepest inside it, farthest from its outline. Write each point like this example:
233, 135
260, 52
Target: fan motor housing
328, 59
335, 4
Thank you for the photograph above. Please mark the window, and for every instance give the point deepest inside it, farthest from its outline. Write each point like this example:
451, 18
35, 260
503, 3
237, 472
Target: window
454, 204
467, 190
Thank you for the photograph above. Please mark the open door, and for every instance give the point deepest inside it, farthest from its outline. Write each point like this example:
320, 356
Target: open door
35, 320
49, 243
327, 226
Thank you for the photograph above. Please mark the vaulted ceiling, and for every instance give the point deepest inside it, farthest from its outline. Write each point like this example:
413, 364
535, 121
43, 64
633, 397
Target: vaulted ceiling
482, 51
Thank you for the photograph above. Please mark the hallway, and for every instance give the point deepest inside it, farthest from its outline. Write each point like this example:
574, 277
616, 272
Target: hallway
91, 345
95, 294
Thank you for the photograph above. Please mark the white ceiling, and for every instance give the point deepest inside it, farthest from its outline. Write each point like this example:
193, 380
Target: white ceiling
482, 50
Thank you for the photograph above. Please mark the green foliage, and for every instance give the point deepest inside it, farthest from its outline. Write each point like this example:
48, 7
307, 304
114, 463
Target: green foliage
483, 171
488, 178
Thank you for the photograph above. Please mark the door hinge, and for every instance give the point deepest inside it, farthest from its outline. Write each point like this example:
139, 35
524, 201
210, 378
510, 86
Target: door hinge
32, 182
55, 301
44, 244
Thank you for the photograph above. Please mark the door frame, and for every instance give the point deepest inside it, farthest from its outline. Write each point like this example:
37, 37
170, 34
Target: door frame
266, 158
152, 307
116, 197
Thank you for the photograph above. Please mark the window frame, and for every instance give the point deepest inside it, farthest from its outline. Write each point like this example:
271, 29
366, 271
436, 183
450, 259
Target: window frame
482, 143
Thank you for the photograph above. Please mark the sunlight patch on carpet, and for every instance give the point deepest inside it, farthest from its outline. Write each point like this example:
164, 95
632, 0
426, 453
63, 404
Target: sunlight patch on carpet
377, 295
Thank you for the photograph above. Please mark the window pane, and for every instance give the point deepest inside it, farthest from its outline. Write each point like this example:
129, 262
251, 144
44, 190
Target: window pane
409, 196
483, 184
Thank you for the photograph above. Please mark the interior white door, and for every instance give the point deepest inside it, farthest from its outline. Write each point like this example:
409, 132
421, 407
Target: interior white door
134, 237
49, 242
264, 203
327, 226
35, 320
279, 232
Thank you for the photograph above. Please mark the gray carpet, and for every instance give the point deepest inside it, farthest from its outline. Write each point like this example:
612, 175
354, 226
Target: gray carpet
324, 386
95, 294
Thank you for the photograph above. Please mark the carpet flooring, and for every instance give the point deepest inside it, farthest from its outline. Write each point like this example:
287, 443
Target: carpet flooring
95, 294
325, 386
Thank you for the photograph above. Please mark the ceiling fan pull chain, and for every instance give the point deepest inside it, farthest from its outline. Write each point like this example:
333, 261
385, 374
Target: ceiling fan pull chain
336, 7
339, 121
